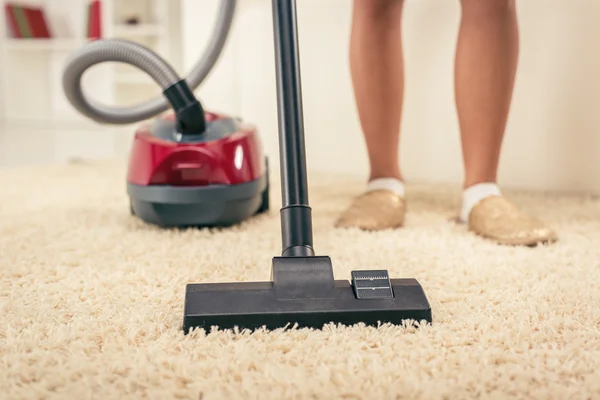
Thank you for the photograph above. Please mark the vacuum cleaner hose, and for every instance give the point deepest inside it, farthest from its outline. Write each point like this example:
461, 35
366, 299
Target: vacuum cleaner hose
177, 92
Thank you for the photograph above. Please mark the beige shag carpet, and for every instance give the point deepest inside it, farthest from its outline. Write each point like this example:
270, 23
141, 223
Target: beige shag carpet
91, 301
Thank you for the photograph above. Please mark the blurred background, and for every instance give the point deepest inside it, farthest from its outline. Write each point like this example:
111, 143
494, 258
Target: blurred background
553, 138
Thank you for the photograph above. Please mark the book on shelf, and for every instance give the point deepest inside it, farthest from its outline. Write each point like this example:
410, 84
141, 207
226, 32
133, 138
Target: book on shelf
26, 22
94, 25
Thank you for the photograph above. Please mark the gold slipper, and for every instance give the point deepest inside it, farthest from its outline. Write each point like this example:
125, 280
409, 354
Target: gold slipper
498, 219
374, 210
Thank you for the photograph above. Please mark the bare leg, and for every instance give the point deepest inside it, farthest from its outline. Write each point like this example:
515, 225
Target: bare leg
376, 65
486, 62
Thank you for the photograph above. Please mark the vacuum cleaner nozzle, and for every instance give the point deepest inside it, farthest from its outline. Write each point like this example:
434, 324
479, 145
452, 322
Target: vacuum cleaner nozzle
303, 292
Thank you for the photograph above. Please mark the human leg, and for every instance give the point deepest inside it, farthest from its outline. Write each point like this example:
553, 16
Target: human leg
376, 65
485, 67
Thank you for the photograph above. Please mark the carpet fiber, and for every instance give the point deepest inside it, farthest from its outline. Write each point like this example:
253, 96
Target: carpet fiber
91, 301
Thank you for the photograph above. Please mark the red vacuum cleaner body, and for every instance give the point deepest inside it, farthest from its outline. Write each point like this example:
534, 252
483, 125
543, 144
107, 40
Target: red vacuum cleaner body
216, 178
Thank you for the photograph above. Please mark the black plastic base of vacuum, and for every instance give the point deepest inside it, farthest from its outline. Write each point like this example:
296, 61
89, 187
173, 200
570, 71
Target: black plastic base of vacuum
209, 206
303, 292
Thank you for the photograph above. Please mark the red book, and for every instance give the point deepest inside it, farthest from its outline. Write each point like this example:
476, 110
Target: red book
37, 22
11, 20
95, 26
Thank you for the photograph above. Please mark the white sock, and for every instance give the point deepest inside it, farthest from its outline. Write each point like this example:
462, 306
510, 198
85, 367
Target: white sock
392, 184
474, 194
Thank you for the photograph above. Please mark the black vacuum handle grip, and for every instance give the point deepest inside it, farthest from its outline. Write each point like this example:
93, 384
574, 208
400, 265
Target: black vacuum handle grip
296, 218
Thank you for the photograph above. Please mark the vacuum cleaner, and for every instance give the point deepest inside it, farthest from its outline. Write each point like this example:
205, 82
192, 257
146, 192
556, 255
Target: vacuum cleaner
189, 167
200, 176
302, 291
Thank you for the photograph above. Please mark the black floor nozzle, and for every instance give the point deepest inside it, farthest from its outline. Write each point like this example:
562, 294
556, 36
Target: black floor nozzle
302, 290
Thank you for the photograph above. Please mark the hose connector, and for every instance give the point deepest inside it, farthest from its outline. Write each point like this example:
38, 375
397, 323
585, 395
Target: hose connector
189, 113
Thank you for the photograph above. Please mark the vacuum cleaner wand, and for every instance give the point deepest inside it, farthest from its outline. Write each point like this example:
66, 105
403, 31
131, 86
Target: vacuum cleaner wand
296, 216
302, 290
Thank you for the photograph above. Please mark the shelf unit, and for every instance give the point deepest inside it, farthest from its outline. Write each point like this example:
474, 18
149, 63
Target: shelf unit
31, 69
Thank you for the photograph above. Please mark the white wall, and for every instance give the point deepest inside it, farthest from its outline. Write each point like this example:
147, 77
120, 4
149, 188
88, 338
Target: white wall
552, 140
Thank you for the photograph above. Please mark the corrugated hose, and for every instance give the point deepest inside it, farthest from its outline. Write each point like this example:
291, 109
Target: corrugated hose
178, 93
